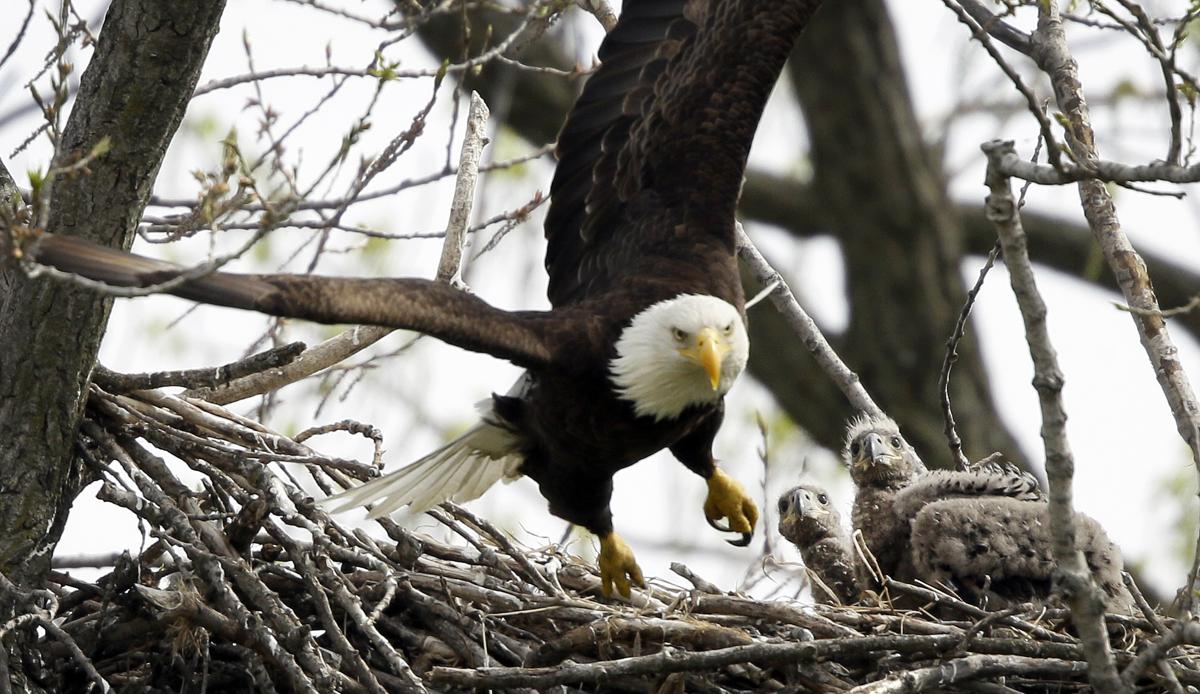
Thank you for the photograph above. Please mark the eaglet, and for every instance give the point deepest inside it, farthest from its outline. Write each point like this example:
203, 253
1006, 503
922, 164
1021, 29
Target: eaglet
808, 520
892, 484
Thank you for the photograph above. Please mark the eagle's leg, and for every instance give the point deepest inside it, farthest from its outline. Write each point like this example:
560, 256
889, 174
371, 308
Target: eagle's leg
728, 499
617, 565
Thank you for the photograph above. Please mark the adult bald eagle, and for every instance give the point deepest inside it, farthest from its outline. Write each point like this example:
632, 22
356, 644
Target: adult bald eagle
646, 332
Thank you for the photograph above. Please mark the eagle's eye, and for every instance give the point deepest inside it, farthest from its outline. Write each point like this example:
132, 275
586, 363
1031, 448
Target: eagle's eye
679, 335
729, 329
895, 441
823, 499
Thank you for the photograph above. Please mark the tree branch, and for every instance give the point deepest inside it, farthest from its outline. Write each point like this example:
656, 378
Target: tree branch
353, 340
805, 328
1053, 56
1082, 594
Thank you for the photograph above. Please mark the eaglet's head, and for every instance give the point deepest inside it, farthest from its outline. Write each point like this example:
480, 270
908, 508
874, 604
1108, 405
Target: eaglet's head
807, 516
679, 353
877, 454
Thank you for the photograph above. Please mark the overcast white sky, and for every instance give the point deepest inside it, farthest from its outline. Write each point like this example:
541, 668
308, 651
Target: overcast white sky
1126, 448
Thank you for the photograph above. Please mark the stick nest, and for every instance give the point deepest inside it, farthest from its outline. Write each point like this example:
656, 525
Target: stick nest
246, 585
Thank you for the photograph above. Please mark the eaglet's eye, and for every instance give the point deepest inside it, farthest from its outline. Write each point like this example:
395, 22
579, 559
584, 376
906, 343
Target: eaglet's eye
679, 335
823, 499
854, 448
896, 441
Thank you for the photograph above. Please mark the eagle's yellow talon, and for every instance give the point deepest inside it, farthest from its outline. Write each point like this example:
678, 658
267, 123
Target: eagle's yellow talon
617, 566
727, 499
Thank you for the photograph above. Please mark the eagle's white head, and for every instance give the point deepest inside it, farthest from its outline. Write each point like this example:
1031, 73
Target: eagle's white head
680, 352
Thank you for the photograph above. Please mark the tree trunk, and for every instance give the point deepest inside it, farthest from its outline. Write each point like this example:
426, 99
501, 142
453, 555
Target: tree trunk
899, 235
134, 91
1063, 245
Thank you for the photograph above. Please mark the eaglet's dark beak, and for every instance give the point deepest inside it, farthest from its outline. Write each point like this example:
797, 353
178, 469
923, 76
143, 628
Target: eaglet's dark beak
874, 450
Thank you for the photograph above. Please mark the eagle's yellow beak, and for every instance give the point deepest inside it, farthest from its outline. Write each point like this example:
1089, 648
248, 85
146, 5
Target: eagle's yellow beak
708, 351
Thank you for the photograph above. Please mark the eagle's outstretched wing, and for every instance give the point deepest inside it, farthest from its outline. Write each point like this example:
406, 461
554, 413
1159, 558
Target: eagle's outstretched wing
433, 308
651, 158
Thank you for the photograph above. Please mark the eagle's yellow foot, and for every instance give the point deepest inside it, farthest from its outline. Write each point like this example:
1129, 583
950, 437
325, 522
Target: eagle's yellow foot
617, 566
727, 499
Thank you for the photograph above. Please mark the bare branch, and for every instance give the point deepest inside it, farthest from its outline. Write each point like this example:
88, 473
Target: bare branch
971, 668
960, 327
212, 377
450, 265
1053, 56
804, 326
1082, 594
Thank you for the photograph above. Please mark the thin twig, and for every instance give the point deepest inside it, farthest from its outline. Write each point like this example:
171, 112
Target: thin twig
951, 356
804, 327
450, 264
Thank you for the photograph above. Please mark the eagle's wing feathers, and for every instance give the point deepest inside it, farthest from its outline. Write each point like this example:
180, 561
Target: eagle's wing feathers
658, 141
461, 470
433, 308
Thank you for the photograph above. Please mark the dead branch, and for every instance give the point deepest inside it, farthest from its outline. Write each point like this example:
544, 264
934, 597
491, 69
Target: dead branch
1081, 591
805, 328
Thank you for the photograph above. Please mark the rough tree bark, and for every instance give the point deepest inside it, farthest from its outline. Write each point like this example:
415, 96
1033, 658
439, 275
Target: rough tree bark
134, 91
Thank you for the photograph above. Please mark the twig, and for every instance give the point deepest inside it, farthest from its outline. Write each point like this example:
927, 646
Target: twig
805, 328
970, 668
332, 351
212, 377
450, 264
1190, 306
1082, 593
672, 660
951, 356
697, 581
351, 427
80, 561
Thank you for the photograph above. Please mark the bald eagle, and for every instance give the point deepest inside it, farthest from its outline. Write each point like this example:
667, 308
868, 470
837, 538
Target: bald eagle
647, 330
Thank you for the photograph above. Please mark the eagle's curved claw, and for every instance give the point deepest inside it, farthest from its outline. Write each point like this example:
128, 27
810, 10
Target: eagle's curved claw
744, 541
717, 526
727, 499
617, 566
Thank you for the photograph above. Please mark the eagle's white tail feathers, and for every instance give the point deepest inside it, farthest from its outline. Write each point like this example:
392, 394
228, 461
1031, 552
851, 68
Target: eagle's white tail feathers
460, 471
